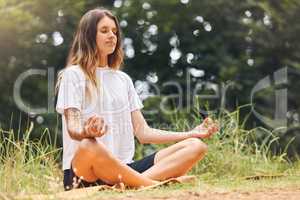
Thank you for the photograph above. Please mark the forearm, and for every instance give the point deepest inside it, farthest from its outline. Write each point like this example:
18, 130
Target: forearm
74, 124
157, 136
146, 134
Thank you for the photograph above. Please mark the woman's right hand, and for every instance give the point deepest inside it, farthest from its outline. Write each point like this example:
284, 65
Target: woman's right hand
95, 127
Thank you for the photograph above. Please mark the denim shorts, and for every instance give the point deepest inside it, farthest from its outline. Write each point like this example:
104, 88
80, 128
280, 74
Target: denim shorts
139, 166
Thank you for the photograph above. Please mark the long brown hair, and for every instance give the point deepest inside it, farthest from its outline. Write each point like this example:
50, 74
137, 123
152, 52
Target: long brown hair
84, 51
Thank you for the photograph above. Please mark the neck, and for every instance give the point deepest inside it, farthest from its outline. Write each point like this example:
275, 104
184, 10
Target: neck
103, 61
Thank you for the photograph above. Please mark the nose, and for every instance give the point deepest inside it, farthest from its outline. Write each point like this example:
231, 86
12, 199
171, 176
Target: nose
111, 34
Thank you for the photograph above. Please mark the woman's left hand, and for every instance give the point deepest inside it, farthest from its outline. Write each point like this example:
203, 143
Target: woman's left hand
205, 130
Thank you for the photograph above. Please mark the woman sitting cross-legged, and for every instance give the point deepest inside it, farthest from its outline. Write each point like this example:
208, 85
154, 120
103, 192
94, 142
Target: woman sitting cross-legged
101, 116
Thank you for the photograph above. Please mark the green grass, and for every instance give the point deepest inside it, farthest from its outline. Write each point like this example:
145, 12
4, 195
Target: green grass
28, 166
32, 166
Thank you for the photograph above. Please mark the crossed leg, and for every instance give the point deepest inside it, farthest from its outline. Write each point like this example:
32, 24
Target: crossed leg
176, 160
93, 161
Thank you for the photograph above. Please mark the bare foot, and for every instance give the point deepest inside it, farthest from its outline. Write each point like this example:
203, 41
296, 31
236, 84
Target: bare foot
186, 179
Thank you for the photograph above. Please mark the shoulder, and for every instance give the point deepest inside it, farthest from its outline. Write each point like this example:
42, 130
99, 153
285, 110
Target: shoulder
74, 72
124, 75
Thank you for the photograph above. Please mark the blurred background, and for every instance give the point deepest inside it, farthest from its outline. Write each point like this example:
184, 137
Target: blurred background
223, 54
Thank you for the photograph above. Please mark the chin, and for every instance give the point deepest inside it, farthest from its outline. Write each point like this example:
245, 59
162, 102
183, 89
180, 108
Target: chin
111, 52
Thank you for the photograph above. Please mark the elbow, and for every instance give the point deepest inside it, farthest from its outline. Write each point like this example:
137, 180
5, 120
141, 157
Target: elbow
142, 136
143, 141
140, 139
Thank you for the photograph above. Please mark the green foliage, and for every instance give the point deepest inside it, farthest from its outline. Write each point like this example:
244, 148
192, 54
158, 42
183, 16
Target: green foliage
28, 166
235, 153
239, 42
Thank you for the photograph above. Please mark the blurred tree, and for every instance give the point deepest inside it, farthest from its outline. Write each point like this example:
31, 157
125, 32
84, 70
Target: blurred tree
231, 42
210, 42
35, 34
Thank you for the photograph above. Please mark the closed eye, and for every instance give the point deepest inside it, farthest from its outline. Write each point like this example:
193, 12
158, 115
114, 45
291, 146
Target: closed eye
106, 30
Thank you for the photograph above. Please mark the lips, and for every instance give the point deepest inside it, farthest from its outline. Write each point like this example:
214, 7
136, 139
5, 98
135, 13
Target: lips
111, 43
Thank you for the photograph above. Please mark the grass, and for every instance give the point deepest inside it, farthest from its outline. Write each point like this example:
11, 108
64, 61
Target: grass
32, 166
27, 166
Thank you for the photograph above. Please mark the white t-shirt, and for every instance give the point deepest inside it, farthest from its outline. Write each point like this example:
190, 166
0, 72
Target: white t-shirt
115, 101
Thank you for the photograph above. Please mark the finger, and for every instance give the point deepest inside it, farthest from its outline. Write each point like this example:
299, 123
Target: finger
214, 129
211, 130
88, 122
93, 124
93, 120
100, 132
100, 124
209, 121
96, 127
205, 123
217, 128
206, 134
104, 129
216, 125
88, 131
90, 119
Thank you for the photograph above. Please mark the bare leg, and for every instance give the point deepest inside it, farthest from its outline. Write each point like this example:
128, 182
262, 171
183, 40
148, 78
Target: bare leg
93, 161
176, 160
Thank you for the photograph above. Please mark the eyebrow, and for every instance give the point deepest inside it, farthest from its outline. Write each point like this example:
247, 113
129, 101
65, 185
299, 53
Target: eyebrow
108, 27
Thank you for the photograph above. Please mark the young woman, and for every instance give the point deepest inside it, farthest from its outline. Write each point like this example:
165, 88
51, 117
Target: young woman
101, 115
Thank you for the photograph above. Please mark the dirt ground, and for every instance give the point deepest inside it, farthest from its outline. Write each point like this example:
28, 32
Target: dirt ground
273, 190
264, 194
270, 194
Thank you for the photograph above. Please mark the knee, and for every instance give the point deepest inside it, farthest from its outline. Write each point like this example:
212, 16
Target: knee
87, 144
196, 147
91, 146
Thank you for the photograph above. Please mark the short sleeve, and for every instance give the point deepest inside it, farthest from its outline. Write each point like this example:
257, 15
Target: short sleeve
71, 91
135, 102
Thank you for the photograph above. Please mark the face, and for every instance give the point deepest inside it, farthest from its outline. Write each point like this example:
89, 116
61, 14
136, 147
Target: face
106, 36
